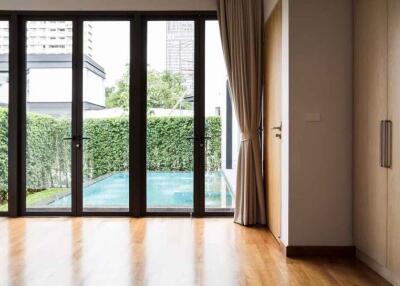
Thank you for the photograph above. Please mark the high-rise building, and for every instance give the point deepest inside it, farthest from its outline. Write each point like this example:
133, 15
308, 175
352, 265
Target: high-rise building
180, 51
4, 37
47, 37
49, 59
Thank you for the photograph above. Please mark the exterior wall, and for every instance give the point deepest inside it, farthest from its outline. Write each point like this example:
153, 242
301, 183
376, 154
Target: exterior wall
55, 85
49, 85
93, 88
230, 173
4, 94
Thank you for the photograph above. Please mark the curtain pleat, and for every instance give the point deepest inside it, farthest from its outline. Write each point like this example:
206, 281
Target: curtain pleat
241, 35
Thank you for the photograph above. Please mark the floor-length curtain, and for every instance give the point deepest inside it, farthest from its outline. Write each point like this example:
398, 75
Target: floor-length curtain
241, 33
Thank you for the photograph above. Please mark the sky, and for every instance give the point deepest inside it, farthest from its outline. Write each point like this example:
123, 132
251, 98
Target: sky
111, 50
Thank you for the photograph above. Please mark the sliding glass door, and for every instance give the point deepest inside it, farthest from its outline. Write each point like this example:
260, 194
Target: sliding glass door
49, 117
77, 123
221, 130
105, 110
123, 115
170, 116
4, 98
189, 131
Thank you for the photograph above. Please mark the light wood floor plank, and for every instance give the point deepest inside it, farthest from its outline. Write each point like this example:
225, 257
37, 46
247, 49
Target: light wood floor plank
158, 251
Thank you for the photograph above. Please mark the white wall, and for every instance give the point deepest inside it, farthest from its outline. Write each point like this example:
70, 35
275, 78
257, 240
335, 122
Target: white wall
320, 153
285, 125
108, 5
55, 85
316, 156
49, 85
4, 88
93, 88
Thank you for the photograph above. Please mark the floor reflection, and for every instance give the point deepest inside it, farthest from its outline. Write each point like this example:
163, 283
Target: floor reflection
156, 251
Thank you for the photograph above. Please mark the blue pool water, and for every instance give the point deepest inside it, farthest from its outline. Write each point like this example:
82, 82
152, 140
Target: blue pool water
164, 190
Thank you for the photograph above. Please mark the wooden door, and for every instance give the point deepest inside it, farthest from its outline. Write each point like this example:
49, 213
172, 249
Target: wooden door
394, 115
370, 107
272, 118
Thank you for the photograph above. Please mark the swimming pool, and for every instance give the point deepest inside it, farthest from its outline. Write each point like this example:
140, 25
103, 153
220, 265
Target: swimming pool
164, 190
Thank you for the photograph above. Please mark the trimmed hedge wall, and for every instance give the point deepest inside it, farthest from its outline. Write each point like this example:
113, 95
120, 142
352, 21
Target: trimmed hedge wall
3, 154
107, 149
49, 157
170, 149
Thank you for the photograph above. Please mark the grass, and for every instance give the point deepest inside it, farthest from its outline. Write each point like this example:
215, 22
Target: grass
3, 208
39, 197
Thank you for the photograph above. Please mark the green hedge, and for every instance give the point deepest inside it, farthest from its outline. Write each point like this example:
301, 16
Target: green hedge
170, 149
47, 154
49, 160
107, 149
3, 154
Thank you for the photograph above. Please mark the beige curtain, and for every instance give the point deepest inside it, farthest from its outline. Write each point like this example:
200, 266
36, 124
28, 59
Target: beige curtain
241, 33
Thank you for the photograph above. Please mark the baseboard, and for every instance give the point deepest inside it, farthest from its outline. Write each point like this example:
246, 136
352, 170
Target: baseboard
323, 251
378, 268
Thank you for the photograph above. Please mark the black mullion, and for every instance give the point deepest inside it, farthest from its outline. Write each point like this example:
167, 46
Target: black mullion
13, 118
76, 149
21, 114
139, 115
134, 196
199, 200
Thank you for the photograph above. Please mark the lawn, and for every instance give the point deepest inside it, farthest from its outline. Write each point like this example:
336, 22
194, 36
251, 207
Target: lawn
39, 198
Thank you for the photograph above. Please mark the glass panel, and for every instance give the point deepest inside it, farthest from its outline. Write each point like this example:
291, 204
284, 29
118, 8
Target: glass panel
170, 94
4, 41
222, 132
106, 116
48, 118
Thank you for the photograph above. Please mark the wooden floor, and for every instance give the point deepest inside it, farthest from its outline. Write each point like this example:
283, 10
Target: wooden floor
158, 251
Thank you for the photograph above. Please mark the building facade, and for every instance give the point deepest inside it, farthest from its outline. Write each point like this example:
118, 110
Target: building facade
48, 37
180, 52
49, 68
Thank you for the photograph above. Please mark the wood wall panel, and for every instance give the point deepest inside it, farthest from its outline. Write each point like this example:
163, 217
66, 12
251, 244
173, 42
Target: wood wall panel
370, 106
394, 115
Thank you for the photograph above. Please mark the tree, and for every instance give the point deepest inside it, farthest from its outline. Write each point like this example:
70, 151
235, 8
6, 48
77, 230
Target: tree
117, 96
164, 90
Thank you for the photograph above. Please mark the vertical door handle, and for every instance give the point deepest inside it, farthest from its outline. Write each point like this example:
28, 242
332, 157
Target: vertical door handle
382, 144
388, 155
386, 143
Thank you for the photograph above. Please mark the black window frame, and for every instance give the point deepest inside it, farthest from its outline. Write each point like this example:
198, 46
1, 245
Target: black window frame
137, 116
11, 128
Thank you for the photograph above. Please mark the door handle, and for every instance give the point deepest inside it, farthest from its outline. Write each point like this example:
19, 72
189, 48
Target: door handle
69, 138
382, 144
277, 127
386, 143
196, 138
